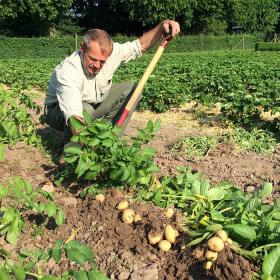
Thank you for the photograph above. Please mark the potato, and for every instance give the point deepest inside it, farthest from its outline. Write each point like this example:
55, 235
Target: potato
123, 204
164, 245
137, 218
154, 236
222, 234
100, 197
116, 193
215, 244
169, 213
170, 234
198, 253
128, 216
207, 265
210, 255
176, 233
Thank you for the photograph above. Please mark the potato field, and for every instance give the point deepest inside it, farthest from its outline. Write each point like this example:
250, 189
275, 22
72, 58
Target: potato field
191, 191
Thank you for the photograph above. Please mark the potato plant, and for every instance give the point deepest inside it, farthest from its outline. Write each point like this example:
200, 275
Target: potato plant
100, 154
243, 83
18, 197
253, 224
30, 263
16, 123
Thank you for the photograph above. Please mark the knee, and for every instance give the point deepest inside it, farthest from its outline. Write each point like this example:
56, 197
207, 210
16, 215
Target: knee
129, 87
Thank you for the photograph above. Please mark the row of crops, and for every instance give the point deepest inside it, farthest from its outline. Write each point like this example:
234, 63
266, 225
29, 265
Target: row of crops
245, 84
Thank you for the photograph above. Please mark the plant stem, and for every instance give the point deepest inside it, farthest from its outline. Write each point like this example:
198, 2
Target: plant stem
34, 275
226, 209
265, 246
245, 253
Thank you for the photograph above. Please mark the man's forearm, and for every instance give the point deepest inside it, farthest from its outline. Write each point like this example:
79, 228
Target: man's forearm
149, 39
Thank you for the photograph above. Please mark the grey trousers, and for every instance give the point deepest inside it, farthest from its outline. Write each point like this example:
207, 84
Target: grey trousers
110, 109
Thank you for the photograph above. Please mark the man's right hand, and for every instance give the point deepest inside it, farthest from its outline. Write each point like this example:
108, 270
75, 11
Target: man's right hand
76, 124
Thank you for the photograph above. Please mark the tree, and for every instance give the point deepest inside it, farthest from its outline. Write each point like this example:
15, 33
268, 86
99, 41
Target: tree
256, 15
101, 14
210, 16
148, 13
32, 17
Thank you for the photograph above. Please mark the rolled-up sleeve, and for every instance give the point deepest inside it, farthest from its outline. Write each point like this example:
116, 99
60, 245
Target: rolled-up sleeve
122, 53
68, 91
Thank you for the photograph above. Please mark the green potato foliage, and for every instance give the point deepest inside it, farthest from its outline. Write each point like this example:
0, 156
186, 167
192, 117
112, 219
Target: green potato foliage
100, 154
18, 197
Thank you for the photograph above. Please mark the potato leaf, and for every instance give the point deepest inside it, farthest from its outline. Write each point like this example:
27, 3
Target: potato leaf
80, 275
14, 231
1, 152
56, 251
49, 277
76, 150
51, 209
19, 272
59, 219
78, 252
271, 263
77, 125
266, 191
4, 274
243, 231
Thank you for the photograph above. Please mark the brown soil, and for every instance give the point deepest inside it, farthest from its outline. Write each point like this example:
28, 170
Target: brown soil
122, 251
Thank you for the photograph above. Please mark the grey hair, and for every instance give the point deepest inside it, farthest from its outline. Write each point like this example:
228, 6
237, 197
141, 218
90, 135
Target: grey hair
101, 37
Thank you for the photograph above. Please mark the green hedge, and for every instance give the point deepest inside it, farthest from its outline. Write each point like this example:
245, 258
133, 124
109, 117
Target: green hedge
44, 47
267, 46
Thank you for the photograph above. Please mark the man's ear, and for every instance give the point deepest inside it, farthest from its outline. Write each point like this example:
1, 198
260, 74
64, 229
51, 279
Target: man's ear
82, 46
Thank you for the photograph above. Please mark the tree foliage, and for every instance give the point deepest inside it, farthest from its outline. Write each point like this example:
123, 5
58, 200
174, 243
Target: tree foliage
150, 12
210, 16
32, 17
256, 15
133, 17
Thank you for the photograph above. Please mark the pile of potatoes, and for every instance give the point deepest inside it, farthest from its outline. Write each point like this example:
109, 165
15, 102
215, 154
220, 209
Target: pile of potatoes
154, 236
163, 240
215, 245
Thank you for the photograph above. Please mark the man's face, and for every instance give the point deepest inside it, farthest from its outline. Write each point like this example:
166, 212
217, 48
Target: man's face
93, 59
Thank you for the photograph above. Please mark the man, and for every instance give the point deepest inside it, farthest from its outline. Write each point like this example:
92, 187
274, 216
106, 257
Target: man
83, 81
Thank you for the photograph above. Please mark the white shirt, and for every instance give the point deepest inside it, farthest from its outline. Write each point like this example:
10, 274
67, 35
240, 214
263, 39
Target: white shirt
70, 85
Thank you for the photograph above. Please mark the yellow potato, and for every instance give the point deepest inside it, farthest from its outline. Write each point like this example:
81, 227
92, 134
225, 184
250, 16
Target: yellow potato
116, 193
207, 265
210, 255
170, 234
222, 234
100, 197
128, 216
215, 244
176, 233
137, 218
154, 236
123, 204
169, 213
164, 245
